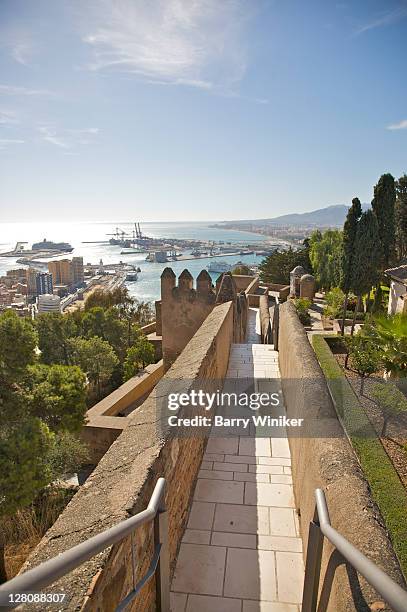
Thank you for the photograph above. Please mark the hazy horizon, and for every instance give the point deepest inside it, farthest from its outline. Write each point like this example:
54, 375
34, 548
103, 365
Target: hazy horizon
198, 111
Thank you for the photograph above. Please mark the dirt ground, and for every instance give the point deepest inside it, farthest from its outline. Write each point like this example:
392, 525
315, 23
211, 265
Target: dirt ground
395, 440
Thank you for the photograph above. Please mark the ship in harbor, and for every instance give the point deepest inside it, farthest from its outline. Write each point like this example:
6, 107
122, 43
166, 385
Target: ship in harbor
132, 274
219, 267
46, 248
48, 245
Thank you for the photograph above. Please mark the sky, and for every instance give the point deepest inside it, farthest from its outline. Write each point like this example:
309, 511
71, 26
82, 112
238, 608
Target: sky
168, 110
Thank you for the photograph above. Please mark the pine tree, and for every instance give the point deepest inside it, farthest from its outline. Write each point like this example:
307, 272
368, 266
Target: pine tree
366, 259
383, 204
348, 246
401, 216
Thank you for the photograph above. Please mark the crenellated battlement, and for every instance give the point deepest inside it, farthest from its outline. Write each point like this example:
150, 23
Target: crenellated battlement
185, 290
184, 307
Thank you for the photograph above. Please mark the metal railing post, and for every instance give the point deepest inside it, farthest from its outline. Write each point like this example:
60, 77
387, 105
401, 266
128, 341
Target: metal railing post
312, 566
162, 576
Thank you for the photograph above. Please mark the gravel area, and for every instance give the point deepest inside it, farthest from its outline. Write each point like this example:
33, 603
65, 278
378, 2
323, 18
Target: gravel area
395, 439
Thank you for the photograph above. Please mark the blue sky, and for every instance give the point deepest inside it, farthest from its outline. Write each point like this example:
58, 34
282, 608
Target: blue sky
197, 109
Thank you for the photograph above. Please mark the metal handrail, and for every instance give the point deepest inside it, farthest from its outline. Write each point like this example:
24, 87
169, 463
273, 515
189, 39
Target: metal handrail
48, 572
321, 527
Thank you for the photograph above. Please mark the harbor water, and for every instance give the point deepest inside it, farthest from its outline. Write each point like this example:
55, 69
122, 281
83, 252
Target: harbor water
90, 240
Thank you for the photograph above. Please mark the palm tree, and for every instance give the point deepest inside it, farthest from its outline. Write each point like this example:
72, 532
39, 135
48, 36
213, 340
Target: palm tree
391, 336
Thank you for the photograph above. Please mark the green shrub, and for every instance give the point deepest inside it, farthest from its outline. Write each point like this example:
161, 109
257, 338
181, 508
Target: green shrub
391, 401
390, 334
335, 298
364, 356
302, 305
337, 313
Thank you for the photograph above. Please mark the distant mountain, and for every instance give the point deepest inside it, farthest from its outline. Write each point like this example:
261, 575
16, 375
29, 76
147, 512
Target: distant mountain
330, 216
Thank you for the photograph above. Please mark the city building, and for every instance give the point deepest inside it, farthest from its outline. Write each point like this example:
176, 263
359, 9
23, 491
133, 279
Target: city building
17, 275
10, 297
61, 290
6, 296
49, 303
77, 270
44, 283
20, 288
31, 278
62, 271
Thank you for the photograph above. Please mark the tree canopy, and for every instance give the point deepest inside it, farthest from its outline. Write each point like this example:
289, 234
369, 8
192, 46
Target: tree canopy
326, 257
348, 243
37, 403
96, 358
401, 216
18, 341
366, 260
57, 396
276, 267
138, 356
106, 299
383, 204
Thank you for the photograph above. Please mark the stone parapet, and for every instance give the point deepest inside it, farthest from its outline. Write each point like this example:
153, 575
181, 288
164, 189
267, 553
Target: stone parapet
330, 464
264, 312
106, 420
183, 310
122, 483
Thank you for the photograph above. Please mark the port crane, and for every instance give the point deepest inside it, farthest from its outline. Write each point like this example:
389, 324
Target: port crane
119, 234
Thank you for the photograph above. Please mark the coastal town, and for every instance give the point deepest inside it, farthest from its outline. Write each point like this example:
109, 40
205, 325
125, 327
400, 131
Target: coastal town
330, 309
49, 279
203, 306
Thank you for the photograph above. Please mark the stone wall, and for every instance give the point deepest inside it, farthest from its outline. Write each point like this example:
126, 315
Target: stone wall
227, 291
243, 281
264, 313
281, 291
104, 424
148, 329
122, 483
331, 464
183, 310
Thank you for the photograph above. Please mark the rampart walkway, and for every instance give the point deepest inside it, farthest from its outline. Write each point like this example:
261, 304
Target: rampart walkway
241, 551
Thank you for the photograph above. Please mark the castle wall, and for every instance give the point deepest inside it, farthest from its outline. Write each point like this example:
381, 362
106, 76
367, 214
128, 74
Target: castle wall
103, 423
183, 310
329, 463
242, 281
122, 483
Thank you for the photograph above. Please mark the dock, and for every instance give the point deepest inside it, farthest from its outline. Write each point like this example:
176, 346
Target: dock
196, 257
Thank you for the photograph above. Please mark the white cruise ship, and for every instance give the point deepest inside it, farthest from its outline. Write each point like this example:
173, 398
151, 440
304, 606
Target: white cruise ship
219, 267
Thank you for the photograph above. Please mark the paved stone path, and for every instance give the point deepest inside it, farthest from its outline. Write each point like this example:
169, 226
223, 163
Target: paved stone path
241, 551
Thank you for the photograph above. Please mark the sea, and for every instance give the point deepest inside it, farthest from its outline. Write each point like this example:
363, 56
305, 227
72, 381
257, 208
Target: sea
90, 240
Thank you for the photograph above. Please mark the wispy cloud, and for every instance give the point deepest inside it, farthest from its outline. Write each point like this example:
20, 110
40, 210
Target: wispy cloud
18, 42
5, 142
21, 51
188, 42
401, 125
67, 138
51, 136
14, 90
384, 19
8, 118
